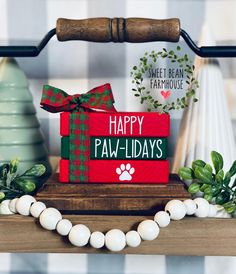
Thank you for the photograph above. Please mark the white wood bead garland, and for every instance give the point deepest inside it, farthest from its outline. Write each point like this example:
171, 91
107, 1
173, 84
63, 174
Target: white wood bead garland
37, 208
49, 218
12, 205
97, 239
23, 204
190, 206
176, 209
162, 218
212, 211
5, 209
202, 207
148, 230
64, 227
114, 240
79, 235
133, 239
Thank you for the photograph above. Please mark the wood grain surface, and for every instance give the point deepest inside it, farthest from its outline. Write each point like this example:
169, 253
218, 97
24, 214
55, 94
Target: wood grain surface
135, 30
111, 197
191, 236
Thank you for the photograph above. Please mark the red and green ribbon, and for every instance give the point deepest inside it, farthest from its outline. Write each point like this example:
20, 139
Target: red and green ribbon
57, 100
79, 149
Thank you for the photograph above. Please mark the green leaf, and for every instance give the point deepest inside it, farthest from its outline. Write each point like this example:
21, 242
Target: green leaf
135, 68
4, 169
203, 174
222, 198
208, 190
219, 176
178, 48
194, 188
234, 183
227, 178
36, 171
203, 187
27, 186
14, 165
164, 55
232, 170
230, 207
208, 167
208, 197
185, 173
216, 189
198, 163
2, 195
217, 160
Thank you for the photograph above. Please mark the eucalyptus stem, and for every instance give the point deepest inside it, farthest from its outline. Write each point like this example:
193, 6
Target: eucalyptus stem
10, 189
14, 185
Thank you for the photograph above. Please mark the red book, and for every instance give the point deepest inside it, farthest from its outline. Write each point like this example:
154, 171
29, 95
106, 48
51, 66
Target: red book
136, 124
121, 171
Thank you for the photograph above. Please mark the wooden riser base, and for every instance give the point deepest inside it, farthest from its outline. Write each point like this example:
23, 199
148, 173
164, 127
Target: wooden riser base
111, 198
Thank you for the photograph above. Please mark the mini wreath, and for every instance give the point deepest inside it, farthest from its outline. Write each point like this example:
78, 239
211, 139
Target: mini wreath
146, 62
115, 239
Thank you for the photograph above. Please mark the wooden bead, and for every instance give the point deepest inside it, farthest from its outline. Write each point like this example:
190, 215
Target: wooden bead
24, 203
79, 235
12, 205
4, 208
63, 227
212, 211
115, 240
202, 207
97, 239
148, 230
221, 212
37, 208
176, 209
162, 218
49, 218
133, 239
190, 206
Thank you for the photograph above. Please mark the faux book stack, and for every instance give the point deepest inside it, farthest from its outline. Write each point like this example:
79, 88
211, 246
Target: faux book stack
114, 147
100, 145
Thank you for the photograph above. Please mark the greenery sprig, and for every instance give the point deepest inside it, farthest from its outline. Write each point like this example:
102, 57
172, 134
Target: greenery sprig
215, 185
146, 62
14, 185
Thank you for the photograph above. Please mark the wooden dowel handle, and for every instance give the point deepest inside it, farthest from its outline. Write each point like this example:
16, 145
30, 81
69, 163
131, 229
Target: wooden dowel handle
134, 30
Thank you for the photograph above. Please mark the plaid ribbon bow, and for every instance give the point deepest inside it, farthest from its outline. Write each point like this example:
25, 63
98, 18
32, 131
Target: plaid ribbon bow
57, 100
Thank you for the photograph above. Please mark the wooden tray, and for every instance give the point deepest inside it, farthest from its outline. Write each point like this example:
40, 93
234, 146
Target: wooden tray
110, 198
